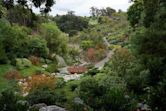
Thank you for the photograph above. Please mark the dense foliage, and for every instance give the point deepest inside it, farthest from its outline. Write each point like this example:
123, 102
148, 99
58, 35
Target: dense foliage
149, 45
32, 48
71, 23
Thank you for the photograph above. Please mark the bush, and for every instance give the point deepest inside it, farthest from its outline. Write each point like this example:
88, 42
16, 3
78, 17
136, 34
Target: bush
92, 72
60, 83
3, 56
137, 75
46, 95
41, 95
13, 74
9, 101
39, 71
56, 40
35, 60
38, 81
89, 92
13, 40
87, 44
22, 63
38, 47
107, 94
52, 68
73, 86
114, 47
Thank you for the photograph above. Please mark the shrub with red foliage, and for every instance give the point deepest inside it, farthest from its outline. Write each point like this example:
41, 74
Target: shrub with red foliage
35, 60
77, 69
13, 74
96, 54
91, 54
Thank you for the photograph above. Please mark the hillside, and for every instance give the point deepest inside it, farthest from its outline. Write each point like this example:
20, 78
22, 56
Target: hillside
108, 61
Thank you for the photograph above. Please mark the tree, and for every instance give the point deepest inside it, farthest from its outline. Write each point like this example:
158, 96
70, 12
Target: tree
37, 46
3, 10
150, 10
56, 40
22, 16
3, 57
8, 3
95, 12
110, 11
13, 40
71, 23
149, 43
121, 61
28, 3
17, 44
135, 12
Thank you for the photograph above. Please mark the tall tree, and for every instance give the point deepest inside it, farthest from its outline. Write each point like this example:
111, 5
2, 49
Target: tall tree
71, 23
28, 3
150, 45
134, 13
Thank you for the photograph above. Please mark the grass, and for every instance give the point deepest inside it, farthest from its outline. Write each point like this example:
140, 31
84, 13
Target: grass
30, 70
3, 82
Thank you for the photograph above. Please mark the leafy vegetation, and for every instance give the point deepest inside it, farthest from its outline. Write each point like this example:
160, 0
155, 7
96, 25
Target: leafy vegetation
133, 45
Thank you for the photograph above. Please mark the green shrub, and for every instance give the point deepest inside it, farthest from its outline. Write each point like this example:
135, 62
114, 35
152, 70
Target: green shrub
92, 72
52, 68
87, 44
22, 63
47, 96
73, 86
60, 83
3, 56
42, 60
26, 62
9, 101
38, 47
39, 71
33, 109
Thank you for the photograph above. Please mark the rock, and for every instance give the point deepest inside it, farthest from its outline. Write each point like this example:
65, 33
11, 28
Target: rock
45, 66
53, 74
29, 78
39, 106
143, 107
48, 61
25, 94
52, 108
61, 61
23, 103
43, 75
20, 83
78, 101
53, 55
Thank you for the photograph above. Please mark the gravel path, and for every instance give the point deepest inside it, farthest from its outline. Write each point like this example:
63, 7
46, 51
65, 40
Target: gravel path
101, 63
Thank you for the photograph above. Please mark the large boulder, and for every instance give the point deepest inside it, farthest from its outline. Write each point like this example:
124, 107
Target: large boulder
52, 108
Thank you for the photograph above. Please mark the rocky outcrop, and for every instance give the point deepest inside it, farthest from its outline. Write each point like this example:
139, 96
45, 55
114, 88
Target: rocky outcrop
52, 108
